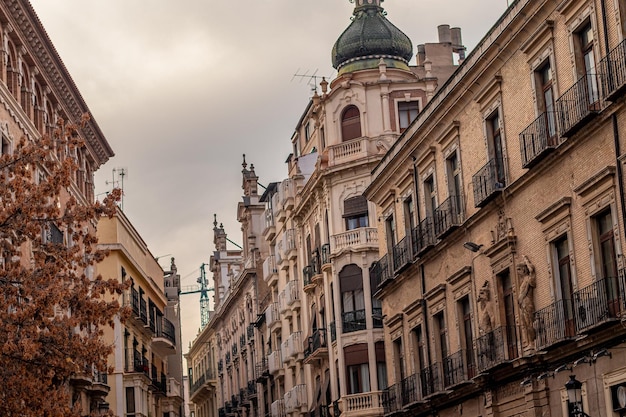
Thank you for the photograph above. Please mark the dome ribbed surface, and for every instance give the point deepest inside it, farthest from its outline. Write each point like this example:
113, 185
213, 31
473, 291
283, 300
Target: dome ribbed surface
371, 36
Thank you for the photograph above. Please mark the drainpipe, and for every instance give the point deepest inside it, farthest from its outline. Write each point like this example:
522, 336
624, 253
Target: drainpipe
421, 267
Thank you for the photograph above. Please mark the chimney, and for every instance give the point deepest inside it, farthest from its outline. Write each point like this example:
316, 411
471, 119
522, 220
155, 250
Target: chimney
421, 54
444, 34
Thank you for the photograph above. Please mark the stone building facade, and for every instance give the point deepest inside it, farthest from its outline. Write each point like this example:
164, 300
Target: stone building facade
317, 341
147, 356
502, 225
36, 91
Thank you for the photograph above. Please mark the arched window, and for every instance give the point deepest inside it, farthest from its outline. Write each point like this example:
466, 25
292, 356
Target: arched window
350, 123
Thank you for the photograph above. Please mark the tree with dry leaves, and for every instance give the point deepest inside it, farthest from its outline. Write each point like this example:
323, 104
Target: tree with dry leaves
52, 308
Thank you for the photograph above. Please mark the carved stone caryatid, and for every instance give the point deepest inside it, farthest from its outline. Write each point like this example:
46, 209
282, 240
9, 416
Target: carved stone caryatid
526, 299
485, 320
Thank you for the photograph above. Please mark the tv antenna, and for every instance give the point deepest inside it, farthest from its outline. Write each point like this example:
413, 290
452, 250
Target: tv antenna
117, 181
312, 79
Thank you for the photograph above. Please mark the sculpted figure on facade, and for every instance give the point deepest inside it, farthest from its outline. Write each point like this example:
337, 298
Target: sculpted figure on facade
485, 322
526, 299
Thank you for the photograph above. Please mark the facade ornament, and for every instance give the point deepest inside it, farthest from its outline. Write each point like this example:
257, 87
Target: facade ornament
485, 322
526, 299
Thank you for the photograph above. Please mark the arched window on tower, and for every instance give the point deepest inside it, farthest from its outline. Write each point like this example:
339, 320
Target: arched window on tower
350, 123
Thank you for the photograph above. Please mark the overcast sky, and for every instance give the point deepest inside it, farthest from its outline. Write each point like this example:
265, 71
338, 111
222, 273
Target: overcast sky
181, 89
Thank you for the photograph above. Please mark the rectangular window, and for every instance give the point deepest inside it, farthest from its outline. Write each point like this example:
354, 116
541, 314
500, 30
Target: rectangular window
355, 212
564, 285
130, 401
409, 214
545, 100
359, 378
508, 298
442, 340
4, 146
586, 61
430, 194
390, 226
455, 188
496, 150
398, 353
467, 336
407, 112
381, 370
606, 259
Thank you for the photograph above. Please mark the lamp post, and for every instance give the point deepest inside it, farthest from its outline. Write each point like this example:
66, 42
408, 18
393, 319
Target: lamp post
574, 396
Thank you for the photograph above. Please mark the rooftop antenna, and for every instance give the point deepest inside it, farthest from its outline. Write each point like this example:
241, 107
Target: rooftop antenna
117, 180
312, 79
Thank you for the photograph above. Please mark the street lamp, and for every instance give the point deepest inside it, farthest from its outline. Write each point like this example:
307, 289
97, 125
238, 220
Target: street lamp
574, 396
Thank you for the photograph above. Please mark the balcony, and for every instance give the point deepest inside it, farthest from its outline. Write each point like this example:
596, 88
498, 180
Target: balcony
380, 272
333, 331
497, 347
317, 348
272, 317
401, 254
458, 368
539, 139
488, 182
325, 254
270, 270
164, 341
349, 151
261, 370
356, 239
430, 380
227, 359
295, 399
250, 332
174, 388
220, 366
287, 192
251, 389
554, 324
377, 317
409, 390
448, 216
277, 408
307, 278
292, 295
270, 225
597, 304
391, 399
294, 347
353, 321
423, 237
613, 70
234, 350
282, 303
363, 404
196, 384
578, 105
291, 250
274, 362
100, 383
136, 363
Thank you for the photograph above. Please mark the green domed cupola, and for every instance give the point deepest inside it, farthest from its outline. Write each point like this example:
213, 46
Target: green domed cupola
369, 38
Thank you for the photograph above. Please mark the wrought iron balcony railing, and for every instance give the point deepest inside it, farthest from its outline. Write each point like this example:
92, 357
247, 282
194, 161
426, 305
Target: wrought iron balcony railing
554, 323
316, 341
430, 380
391, 399
448, 215
488, 181
401, 254
613, 70
496, 347
353, 321
597, 303
539, 138
578, 104
455, 370
423, 237
409, 390
380, 271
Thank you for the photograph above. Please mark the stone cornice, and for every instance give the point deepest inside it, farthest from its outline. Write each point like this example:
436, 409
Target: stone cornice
34, 38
